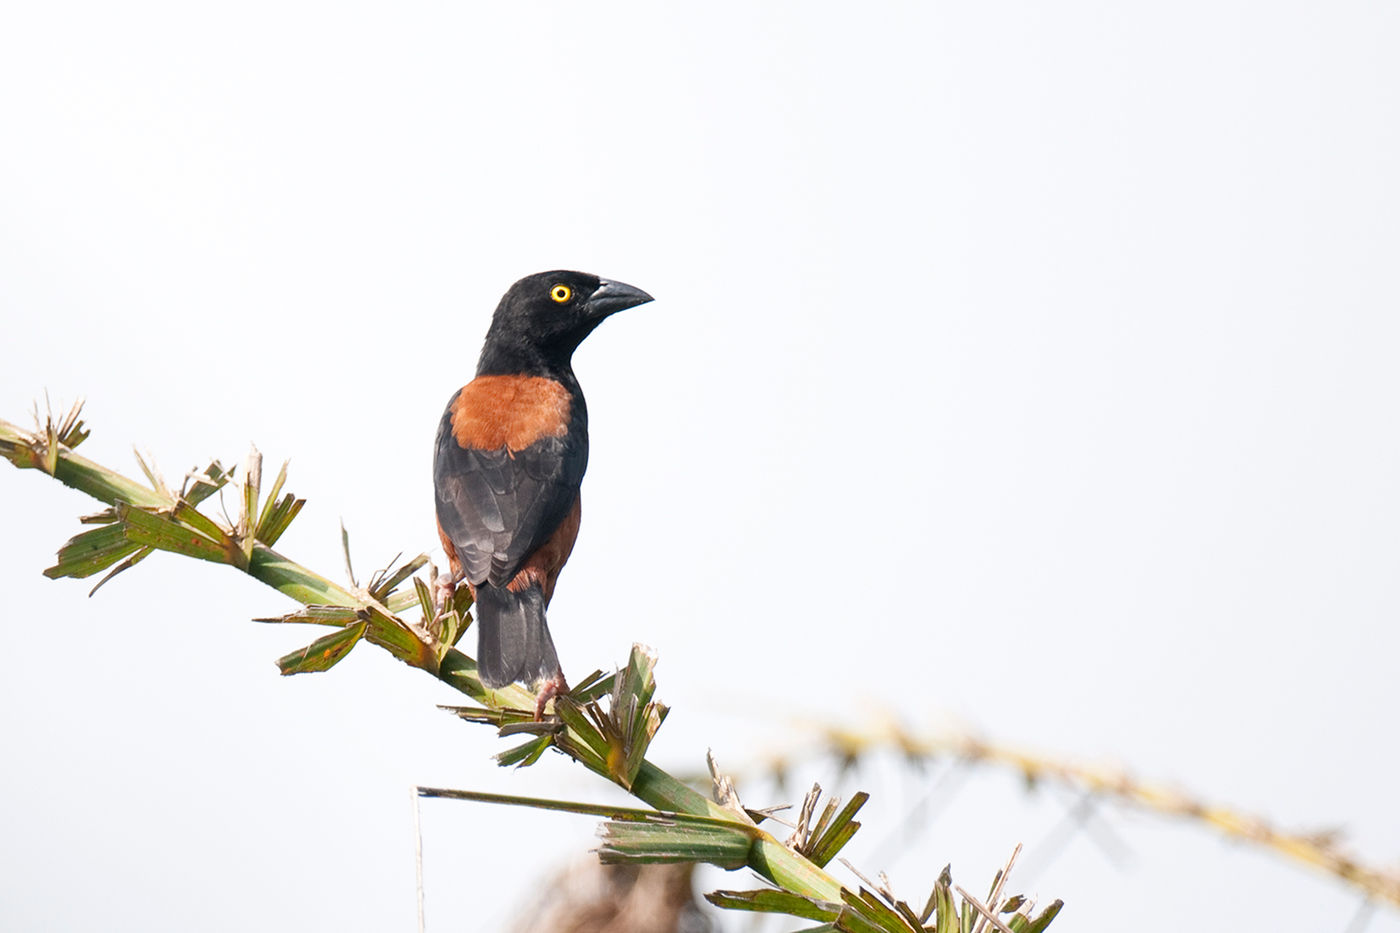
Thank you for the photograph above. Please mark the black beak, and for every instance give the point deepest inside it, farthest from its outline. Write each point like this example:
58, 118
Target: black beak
612, 297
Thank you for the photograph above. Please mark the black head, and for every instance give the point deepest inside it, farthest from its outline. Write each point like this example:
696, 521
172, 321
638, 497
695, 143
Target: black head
544, 317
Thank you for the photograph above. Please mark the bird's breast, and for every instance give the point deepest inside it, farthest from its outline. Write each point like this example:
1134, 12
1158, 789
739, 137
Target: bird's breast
511, 412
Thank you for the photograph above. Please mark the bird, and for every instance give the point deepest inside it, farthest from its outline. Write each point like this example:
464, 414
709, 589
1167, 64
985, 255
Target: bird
511, 451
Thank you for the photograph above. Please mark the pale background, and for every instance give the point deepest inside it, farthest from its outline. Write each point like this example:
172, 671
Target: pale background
1027, 366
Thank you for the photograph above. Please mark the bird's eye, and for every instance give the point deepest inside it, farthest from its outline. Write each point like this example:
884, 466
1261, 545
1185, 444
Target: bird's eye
561, 293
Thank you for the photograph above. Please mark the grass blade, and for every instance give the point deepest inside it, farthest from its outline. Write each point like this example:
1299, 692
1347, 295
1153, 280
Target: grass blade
152, 530
127, 564
382, 588
92, 552
829, 839
661, 842
774, 901
339, 616
323, 653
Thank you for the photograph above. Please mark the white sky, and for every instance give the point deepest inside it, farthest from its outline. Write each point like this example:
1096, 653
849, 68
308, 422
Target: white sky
1027, 365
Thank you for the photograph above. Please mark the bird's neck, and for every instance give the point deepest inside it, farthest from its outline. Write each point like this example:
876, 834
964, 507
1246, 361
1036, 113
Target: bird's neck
520, 358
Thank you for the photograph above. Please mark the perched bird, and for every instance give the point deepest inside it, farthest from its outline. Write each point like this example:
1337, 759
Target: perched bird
512, 447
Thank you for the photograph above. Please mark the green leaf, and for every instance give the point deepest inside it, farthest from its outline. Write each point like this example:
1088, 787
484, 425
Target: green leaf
774, 901
633, 714
198, 487
271, 498
345, 546
187, 514
527, 754
628, 814
454, 626
480, 714
91, 552
71, 432
1043, 919
663, 842
594, 750
635, 835
448, 624
278, 518
382, 587
49, 463
867, 912
945, 910
127, 564
152, 530
398, 602
530, 727
339, 616
152, 475
248, 521
462, 600
424, 594
323, 653
592, 687
277, 513
852, 921
829, 840
908, 915
394, 634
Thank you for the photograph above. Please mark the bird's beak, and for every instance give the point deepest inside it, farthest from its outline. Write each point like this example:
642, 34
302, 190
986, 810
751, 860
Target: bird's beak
612, 297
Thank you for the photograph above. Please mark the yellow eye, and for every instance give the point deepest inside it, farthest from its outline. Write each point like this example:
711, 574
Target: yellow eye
561, 293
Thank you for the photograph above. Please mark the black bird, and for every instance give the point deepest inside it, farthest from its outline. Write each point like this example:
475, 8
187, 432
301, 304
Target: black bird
512, 448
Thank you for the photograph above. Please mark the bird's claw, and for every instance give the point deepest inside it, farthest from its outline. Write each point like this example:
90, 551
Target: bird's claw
552, 688
444, 588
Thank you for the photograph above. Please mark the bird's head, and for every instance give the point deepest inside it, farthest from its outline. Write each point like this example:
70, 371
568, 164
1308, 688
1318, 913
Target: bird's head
543, 318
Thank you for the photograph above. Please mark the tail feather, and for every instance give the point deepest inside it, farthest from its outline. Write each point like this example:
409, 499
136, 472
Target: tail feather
513, 643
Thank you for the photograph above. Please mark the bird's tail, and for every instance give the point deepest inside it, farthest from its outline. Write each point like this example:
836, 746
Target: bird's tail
514, 643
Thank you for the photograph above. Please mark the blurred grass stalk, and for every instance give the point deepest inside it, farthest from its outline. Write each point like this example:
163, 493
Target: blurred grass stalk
1321, 850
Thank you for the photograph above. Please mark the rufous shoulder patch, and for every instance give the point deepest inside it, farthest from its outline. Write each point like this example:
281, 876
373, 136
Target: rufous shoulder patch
513, 412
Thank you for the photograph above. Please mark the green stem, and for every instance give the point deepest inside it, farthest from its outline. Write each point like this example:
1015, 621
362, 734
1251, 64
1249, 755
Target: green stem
288, 577
768, 856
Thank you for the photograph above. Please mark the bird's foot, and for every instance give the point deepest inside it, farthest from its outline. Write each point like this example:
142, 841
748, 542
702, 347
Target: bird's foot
444, 588
551, 689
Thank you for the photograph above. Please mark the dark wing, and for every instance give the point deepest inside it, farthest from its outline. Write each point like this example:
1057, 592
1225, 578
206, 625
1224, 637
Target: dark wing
498, 507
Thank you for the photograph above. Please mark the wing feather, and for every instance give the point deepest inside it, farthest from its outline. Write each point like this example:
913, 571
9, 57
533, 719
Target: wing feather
499, 506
